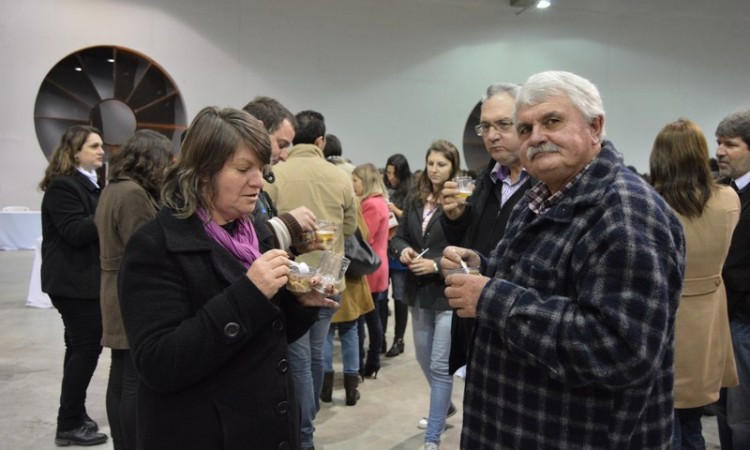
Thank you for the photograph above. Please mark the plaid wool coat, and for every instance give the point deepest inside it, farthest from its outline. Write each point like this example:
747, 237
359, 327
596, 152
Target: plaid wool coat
573, 347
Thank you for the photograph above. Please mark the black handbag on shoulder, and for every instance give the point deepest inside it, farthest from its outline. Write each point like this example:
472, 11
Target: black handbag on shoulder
364, 260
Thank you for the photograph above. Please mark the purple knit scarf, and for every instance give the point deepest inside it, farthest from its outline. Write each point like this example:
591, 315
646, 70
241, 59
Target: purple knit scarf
243, 245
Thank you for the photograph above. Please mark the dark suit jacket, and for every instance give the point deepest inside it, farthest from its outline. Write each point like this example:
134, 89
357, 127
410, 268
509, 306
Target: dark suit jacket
427, 289
464, 232
210, 348
70, 248
736, 272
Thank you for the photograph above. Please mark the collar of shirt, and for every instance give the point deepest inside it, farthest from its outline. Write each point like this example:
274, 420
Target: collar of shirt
502, 173
742, 181
540, 199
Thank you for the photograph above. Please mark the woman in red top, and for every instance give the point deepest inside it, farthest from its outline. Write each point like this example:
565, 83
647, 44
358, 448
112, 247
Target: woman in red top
369, 187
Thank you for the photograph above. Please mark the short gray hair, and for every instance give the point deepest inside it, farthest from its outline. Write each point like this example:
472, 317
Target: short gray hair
734, 125
501, 88
581, 92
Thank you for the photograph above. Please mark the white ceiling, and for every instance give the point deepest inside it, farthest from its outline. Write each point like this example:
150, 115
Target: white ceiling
657, 8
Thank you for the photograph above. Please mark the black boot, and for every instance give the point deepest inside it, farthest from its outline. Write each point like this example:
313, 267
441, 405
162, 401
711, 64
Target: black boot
326, 392
79, 436
371, 370
351, 383
396, 349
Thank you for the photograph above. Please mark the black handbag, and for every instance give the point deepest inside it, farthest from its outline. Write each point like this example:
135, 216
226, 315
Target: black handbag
363, 259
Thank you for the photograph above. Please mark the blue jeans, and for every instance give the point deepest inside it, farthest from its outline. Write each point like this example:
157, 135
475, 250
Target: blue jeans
734, 421
306, 364
432, 344
349, 347
688, 430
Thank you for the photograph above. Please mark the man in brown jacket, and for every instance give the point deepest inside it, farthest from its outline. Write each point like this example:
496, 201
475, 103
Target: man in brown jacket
306, 178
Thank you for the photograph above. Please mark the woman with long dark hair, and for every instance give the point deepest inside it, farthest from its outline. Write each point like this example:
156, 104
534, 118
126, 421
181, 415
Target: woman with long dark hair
704, 360
136, 173
420, 241
70, 272
399, 181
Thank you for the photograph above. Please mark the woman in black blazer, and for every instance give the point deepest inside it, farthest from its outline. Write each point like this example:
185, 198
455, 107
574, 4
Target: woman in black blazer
206, 313
419, 242
70, 272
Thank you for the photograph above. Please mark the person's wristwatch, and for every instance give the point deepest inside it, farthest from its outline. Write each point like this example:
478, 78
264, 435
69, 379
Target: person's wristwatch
435, 267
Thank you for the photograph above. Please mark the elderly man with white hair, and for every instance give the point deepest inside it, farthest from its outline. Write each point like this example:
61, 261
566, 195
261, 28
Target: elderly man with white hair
573, 345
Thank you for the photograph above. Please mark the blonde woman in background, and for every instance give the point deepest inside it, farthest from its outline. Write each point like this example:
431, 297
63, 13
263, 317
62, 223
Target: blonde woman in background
369, 188
356, 301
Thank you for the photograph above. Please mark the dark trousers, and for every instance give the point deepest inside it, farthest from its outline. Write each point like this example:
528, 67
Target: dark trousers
122, 399
401, 313
688, 430
82, 319
374, 334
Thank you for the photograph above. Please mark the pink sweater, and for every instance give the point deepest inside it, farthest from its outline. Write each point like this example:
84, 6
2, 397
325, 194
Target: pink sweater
375, 212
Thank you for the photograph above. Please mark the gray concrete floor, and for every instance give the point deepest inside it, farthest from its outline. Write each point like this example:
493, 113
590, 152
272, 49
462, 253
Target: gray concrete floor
31, 343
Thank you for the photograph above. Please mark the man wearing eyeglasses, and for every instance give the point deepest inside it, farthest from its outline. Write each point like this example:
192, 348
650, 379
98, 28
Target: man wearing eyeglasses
479, 222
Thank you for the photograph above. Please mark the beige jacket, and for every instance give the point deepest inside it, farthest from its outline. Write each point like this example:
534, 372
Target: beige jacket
704, 360
307, 179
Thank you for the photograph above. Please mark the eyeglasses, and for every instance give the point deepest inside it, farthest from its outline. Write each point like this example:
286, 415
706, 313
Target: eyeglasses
483, 128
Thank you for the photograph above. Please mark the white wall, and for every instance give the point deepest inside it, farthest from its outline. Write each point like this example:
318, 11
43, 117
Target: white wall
389, 75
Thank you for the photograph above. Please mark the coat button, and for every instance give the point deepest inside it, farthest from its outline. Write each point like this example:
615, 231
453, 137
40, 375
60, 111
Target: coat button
232, 329
282, 408
717, 281
277, 326
284, 445
282, 366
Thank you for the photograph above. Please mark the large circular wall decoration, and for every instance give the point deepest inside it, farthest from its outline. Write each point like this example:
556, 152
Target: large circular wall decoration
475, 154
115, 89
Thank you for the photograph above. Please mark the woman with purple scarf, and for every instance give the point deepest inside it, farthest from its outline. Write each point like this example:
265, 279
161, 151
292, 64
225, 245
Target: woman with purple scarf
206, 312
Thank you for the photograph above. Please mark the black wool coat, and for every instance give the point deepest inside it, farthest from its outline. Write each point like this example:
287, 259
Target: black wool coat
70, 245
210, 349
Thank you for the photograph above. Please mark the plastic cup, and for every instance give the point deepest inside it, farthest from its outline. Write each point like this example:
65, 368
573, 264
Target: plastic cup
300, 278
463, 271
465, 186
331, 271
326, 233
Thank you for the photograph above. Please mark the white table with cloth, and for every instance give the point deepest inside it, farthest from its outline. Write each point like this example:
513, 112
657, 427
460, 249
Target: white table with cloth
22, 230
19, 229
36, 298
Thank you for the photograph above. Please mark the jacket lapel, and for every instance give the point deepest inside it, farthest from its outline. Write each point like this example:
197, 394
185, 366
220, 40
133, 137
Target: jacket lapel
181, 237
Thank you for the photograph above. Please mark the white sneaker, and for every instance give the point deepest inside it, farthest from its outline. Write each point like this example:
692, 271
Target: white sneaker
431, 446
422, 424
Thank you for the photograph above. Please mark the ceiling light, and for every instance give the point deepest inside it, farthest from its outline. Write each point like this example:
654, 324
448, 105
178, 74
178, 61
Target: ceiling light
526, 4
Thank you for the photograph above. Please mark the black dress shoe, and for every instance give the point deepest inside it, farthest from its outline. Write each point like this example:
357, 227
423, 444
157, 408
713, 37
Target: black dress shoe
79, 436
90, 423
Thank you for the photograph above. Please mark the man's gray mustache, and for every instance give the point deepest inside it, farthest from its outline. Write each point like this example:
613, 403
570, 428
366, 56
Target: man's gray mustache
543, 148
